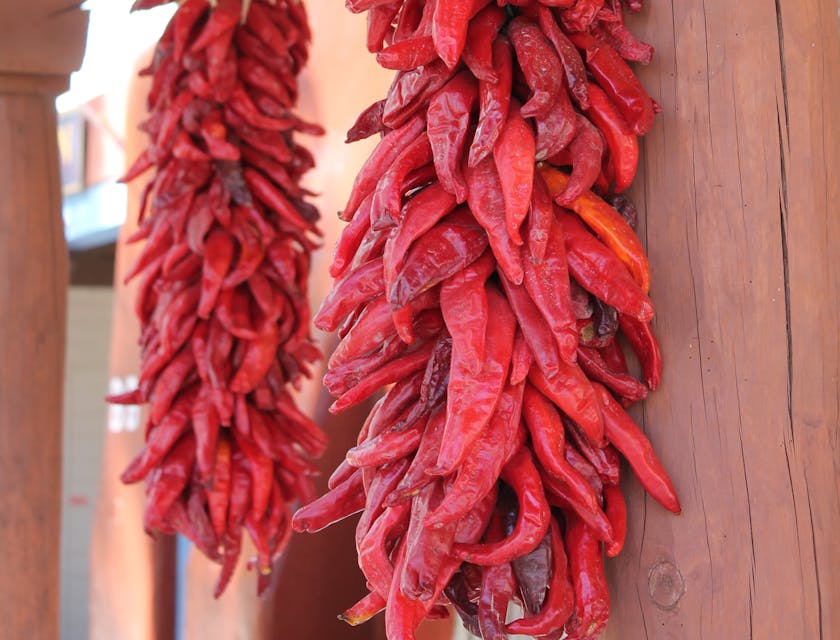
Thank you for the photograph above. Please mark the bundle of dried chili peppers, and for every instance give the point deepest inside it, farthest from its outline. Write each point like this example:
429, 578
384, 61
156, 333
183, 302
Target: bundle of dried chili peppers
223, 297
488, 288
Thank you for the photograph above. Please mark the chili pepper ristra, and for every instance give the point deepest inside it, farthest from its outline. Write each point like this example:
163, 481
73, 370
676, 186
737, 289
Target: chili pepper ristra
485, 278
223, 294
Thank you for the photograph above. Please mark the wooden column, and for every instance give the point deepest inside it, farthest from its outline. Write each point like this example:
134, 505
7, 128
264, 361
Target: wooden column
40, 43
739, 185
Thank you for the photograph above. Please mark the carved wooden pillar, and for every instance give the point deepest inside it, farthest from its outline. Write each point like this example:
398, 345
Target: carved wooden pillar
41, 42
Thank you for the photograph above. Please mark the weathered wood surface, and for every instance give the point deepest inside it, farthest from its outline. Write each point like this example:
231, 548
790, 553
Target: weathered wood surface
33, 299
739, 184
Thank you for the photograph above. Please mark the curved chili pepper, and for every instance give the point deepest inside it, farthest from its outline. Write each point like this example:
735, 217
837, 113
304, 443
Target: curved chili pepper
621, 141
356, 287
386, 204
548, 441
382, 157
619, 82
513, 154
487, 205
478, 51
410, 91
537, 334
600, 272
493, 99
592, 599
569, 56
427, 548
471, 400
351, 239
632, 443
610, 226
463, 303
483, 463
344, 500
531, 523
448, 117
449, 28
373, 546
540, 65
640, 336
391, 372
498, 584
622, 384
364, 609
444, 250
616, 510
387, 446
559, 602
547, 282
573, 393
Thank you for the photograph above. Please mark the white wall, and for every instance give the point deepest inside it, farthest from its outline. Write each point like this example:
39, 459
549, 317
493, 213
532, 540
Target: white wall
85, 387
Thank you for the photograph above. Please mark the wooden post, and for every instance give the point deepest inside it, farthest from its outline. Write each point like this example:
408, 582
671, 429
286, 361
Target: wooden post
40, 43
739, 185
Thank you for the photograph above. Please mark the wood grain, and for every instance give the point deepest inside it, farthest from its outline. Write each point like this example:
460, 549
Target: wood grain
739, 185
33, 296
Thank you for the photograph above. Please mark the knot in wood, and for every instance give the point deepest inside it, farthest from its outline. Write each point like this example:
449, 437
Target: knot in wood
666, 585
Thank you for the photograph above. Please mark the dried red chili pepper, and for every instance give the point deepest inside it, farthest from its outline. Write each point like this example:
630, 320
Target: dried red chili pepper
222, 304
496, 415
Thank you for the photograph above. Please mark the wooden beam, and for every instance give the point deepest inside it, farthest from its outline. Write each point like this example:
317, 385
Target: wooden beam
34, 62
740, 186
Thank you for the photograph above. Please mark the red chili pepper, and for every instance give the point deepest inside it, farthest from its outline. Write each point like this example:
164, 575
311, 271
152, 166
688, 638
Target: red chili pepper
569, 56
448, 117
483, 463
532, 520
444, 250
471, 400
383, 156
537, 334
494, 99
616, 510
498, 585
559, 602
547, 282
600, 272
581, 16
586, 564
622, 384
410, 91
621, 141
379, 24
514, 157
487, 205
364, 609
640, 336
478, 51
632, 443
540, 64
387, 200
449, 28
619, 82
344, 500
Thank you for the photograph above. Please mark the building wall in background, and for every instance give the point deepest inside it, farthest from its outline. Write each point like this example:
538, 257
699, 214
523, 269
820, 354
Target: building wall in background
85, 415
